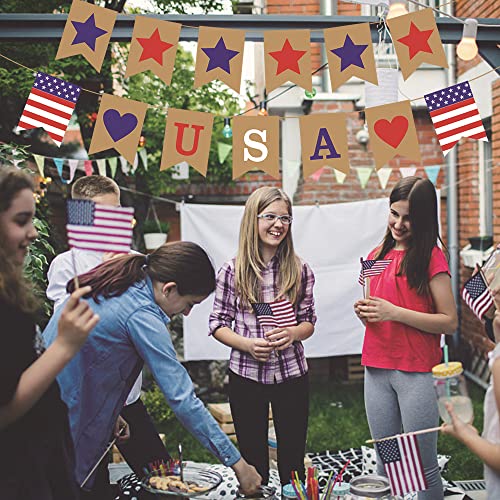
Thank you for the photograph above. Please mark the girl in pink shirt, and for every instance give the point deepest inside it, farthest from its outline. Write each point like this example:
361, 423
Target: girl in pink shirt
410, 305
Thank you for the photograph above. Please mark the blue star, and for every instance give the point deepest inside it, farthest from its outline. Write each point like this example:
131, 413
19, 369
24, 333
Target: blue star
220, 56
350, 53
87, 32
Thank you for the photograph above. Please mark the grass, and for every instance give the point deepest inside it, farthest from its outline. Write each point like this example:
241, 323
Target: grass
334, 427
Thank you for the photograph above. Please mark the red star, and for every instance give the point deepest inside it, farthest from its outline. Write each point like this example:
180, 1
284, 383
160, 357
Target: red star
287, 58
417, 41
153, 47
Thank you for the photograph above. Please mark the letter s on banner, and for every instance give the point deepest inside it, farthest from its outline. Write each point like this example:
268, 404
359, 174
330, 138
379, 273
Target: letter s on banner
255, 145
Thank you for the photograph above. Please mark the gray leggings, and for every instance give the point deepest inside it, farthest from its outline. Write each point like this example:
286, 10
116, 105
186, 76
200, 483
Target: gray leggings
399, 401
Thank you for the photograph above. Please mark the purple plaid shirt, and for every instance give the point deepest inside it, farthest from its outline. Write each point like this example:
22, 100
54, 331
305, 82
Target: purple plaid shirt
227, 311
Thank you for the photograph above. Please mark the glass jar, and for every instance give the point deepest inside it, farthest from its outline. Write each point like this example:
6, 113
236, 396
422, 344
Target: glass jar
370, 486
450, 387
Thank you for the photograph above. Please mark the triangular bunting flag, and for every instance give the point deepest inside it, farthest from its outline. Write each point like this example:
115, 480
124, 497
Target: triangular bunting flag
339, 176
135, 164
317, 175
124, 165
101, 166
407, 171
364, 175
87, 32
433, 172
87, 164
383, 176
143, 154
113, 163
223, 149
59, 163
73, 165
40, 163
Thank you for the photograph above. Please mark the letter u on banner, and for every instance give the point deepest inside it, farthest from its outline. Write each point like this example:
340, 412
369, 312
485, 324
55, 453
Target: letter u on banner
256, 145
187, 138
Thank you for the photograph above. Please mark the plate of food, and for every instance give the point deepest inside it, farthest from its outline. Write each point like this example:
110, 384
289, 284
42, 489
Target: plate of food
196, 481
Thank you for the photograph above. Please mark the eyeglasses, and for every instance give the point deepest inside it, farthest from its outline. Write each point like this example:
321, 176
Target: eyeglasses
271, 218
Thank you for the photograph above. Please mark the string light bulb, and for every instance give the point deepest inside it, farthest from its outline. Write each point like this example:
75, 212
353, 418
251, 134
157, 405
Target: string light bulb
467, 48
396, 8
263, 109
227, 131
142, 141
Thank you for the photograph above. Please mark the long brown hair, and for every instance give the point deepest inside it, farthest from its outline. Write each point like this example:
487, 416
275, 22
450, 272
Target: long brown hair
182, 262
14, 288
249, 262
423, 216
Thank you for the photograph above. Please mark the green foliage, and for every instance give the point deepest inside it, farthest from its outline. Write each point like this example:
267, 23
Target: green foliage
152, 226
157, 406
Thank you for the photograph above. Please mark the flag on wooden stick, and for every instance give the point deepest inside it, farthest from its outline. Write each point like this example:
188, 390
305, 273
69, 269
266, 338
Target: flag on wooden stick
477, 295
278, 314
372, 268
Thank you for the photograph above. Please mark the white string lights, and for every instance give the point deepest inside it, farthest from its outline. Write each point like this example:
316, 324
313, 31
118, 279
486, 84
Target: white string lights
467, 48
397, 8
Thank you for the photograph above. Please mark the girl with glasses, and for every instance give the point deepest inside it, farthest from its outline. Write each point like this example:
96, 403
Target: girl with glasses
267, 364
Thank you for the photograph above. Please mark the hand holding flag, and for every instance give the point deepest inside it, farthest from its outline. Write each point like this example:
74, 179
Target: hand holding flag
477, 295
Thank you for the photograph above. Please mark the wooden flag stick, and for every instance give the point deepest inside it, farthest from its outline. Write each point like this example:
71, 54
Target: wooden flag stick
423, 431
75, 279
363, 275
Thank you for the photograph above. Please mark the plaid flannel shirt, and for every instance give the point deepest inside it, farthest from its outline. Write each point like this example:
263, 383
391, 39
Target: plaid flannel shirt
228, 311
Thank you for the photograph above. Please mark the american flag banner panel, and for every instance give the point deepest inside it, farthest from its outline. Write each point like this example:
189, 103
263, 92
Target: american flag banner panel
278, 314
372, 268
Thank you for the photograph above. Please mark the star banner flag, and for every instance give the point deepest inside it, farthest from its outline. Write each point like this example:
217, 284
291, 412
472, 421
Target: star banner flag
278, 314
187, 138
477, 295
219, 55
324, 142
118, 125
50, 105
372, 268
101, 228
454, 115
349, 51
403, 464
87, 32
287, 58
256, 145
153, 47
416, 41
392, 132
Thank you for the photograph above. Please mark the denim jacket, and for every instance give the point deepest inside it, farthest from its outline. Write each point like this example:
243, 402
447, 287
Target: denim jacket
95, 383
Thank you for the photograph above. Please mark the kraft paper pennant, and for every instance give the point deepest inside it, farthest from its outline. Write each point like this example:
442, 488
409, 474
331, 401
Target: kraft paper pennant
73, 165
143, 154
416, 41
187, 138
101, 166
433, 173
324, 142
87, 32
153, 47
383, 175
407, 171
339, 176
219, 55
87, 165
287, 57
59, 163
364, 175
223, 151
256, 145
349, 51
392, 132
118, 125
113, 164
180, 172
40, 163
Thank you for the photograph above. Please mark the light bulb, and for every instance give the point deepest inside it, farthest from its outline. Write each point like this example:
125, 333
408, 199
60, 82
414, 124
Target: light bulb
467, 48
397, 8
227, 132
262, 110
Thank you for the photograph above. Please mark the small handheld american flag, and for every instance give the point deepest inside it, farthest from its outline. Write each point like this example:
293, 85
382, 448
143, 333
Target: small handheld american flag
402, 463
278, 314
372, 268
477, 295
100, 228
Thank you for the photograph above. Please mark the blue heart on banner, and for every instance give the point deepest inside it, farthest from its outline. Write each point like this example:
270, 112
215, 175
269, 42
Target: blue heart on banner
119, 126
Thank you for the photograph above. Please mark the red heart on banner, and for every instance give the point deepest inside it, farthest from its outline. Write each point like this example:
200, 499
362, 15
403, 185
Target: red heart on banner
392, 132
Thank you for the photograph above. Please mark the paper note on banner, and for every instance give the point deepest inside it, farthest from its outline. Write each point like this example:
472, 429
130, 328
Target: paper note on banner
180, 171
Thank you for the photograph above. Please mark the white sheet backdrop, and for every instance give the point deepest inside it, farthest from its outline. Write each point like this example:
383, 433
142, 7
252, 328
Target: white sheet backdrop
331, 238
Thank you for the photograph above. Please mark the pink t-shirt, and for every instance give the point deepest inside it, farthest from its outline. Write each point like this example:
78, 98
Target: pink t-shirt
394, 345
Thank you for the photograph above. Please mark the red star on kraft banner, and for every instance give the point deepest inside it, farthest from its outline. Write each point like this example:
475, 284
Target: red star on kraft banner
416, 40
219, 55
392, 132
153, 47
287, 56
87, 32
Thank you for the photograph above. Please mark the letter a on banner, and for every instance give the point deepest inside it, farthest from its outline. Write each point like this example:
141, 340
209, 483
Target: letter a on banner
187, 138
256, 145
324, 142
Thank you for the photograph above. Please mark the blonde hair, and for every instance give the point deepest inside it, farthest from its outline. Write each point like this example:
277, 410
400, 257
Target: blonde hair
85, 188
249, 262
